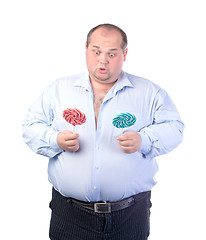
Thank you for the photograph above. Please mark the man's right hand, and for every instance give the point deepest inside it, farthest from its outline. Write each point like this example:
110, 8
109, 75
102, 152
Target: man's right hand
68, 141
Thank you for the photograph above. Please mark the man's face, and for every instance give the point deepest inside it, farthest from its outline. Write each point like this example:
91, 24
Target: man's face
105, 56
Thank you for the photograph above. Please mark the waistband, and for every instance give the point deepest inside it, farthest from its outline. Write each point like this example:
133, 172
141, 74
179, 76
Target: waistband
105, 207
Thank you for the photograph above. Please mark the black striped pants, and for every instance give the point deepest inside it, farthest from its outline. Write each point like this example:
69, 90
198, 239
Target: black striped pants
73, 222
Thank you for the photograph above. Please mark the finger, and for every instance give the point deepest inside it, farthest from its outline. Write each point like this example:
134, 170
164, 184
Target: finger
71, 136
127, 149
72, 148
122, 138
71, 143
125, 137
126, 143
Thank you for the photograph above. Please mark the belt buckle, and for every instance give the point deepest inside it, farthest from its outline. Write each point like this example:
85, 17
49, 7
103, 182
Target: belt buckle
102, 208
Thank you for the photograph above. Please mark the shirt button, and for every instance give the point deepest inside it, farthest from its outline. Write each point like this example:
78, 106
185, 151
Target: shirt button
95, 187
96, 167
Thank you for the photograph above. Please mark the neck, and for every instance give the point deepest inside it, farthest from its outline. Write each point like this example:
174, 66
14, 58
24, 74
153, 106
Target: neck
101, 86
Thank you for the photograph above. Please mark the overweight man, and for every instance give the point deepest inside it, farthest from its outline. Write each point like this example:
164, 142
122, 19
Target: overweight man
102, 175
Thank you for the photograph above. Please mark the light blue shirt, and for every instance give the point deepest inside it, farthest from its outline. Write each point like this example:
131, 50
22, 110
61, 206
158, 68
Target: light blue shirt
100, 171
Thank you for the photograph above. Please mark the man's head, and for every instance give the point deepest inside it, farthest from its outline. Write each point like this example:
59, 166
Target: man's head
105, 52
108, 26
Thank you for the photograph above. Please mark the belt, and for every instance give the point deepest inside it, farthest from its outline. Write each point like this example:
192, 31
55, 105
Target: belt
105, 207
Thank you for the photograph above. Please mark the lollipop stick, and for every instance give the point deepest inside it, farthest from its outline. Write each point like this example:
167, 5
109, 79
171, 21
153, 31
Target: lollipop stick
121, 131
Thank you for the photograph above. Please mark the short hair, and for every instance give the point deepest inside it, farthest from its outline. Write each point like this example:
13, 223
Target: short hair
109, 27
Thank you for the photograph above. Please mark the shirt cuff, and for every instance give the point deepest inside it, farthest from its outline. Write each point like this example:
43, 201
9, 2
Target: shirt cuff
53, 144
146, 143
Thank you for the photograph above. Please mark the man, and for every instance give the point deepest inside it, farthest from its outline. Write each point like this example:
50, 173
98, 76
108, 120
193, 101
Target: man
102, 178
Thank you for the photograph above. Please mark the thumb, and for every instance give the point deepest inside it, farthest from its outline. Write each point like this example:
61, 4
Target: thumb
122, 137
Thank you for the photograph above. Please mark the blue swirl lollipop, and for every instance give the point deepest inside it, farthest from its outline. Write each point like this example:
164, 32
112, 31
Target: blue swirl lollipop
124, 120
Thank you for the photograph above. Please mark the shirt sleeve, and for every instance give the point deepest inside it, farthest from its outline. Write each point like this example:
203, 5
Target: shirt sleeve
38, 132
166, 131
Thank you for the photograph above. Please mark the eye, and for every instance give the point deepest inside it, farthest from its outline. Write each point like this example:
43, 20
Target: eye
96, 52
112, 55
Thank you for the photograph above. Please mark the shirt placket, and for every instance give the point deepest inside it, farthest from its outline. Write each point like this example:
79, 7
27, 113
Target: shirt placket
96, 182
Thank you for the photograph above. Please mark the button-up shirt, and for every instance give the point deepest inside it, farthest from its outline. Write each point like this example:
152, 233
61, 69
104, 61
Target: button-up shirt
99, 170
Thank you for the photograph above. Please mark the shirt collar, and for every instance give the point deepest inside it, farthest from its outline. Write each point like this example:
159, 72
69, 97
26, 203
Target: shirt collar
121, 83
83, 81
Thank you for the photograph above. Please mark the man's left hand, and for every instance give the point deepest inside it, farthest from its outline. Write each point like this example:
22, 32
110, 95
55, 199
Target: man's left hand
130, 142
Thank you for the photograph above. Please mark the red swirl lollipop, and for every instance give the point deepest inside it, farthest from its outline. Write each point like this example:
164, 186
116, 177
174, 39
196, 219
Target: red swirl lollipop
74, 116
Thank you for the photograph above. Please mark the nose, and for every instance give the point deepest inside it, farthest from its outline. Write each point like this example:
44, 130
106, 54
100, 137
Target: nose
103, 58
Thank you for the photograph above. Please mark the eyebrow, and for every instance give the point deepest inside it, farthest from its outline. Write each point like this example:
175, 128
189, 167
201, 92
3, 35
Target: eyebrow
112, 49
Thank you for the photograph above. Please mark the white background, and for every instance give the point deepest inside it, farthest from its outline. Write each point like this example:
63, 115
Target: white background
43, 40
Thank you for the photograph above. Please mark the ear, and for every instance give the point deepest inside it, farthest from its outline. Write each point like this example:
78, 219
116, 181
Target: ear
125, 54
86, 48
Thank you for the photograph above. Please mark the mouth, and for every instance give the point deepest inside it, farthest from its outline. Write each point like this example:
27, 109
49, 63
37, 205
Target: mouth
102, 70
